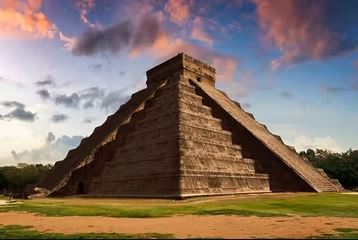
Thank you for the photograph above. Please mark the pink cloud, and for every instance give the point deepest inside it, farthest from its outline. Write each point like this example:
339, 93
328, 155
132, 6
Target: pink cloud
303, 30
145, 34
199, 33
24, 19
85, 6
178, 10
166, 46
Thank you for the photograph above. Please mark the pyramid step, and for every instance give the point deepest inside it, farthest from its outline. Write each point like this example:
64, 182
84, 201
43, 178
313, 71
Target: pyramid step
164, 130
190, 158
164, 106
137, 115
158, 120
199, 132
204, 184
194, 108
200, 146
183, 95
153, 134
173, 87
160, 147
204, 173
217, 164
204, 121
143, 166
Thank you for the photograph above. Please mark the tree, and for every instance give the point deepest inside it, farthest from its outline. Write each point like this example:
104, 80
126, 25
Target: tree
342, 166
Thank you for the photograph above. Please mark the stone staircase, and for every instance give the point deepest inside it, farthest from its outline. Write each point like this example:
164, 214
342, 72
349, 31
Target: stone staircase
303, 169
210, 162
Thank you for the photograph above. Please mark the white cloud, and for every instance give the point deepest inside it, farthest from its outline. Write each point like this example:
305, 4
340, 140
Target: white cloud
303, 143
51, 151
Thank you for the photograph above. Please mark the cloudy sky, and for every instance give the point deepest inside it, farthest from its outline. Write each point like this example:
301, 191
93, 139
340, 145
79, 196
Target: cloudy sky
65, 65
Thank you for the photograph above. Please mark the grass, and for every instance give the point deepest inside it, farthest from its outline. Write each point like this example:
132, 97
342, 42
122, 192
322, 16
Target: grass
25, 232
327, 204
341, 233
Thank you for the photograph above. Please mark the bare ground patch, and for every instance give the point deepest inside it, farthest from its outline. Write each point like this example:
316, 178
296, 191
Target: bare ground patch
187, 226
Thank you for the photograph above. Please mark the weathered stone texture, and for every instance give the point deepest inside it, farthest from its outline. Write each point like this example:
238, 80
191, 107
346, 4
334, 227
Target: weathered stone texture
181, 137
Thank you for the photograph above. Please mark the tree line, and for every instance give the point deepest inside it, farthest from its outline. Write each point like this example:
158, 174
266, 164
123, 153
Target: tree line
13, 179
342, 166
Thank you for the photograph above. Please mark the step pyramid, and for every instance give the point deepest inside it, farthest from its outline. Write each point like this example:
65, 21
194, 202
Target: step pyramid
182, 137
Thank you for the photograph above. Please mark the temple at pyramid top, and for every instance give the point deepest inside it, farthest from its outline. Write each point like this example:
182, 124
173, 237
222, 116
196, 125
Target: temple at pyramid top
181, 137
183, 64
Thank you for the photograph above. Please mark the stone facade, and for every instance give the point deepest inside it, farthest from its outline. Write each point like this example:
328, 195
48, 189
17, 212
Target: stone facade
181, 137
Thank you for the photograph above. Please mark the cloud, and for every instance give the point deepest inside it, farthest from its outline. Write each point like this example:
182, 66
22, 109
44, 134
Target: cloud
178, 10
352, 86
18, 113
51, 151
85, 6
10, 82
123, 35
50, 138
304, 30
91, 95
241, 87
88, 120
331, 89
59, 118
88, 98
47, 82
113, 100
24, 18
199, 33
96, 67
112, 39
166, 46
145, 34
304, 142
71, 101
286, 95
44, 94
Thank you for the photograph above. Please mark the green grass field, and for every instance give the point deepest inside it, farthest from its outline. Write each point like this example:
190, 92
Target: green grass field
326, 204
25, 232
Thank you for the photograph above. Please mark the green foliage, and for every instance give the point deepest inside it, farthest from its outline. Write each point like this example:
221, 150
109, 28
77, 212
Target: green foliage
14, 178
25, 232
327, 204
341, 233
346, 233
342, 166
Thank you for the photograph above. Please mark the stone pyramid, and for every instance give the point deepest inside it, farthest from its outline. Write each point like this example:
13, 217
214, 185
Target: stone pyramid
182, 137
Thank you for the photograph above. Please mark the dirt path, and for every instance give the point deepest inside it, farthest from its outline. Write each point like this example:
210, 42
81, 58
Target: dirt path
187, 226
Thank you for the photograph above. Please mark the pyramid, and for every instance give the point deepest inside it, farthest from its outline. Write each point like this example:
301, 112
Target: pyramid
181, 137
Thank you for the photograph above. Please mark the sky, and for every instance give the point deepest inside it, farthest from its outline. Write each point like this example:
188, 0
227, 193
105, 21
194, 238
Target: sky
65, 65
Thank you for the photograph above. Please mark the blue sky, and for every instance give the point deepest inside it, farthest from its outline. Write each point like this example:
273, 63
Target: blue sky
66, 65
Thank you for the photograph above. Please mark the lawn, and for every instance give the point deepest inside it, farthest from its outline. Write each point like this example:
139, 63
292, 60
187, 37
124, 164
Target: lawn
25, 232
304, 204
